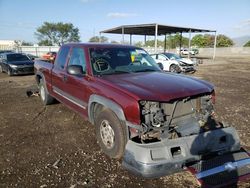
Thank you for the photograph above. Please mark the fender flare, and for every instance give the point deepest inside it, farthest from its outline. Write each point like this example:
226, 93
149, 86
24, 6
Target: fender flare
39, 74
117, 109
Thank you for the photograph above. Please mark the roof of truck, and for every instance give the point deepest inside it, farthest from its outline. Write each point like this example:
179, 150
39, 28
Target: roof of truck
92, 45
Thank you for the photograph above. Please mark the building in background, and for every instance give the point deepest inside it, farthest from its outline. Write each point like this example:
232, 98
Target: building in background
8, 44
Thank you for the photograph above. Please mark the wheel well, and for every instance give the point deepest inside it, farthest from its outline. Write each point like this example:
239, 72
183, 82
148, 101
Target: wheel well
95, 109
38, 79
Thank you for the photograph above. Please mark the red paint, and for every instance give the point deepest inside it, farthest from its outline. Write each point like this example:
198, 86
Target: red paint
124, 89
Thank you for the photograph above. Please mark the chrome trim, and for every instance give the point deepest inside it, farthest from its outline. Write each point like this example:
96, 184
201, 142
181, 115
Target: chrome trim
69, 98
230, 166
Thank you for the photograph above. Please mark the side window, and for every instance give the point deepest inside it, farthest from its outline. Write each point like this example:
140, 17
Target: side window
153, 56
161, 57
78, 58
62, 57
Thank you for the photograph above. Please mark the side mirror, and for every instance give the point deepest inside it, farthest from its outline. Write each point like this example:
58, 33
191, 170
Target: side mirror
75, 70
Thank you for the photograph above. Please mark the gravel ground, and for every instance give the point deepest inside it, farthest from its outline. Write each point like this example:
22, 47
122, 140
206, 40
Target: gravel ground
53, 147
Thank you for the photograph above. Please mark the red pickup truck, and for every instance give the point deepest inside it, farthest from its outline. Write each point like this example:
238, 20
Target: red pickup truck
158, 122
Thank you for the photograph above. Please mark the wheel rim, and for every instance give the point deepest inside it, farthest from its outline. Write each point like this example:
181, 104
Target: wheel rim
42, 92
173, 68
107, 134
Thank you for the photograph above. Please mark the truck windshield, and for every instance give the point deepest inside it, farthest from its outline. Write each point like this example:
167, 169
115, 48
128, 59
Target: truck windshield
121, 60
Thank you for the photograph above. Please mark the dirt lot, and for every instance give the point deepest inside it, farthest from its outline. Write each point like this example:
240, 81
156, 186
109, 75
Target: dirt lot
53, 147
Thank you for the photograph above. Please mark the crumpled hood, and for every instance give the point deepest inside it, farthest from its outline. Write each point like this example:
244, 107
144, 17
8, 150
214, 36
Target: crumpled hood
158, 86
186, 60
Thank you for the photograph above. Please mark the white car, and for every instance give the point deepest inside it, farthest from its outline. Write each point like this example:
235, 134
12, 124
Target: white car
185, 51
174, 63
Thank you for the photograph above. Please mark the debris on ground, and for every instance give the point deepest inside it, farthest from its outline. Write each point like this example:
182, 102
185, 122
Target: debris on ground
30, 93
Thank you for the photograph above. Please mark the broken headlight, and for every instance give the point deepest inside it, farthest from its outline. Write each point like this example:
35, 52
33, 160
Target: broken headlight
152, 114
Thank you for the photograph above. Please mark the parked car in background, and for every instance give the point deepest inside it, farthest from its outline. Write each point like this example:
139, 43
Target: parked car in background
174, 63
192, 51
50, 56
32, 57
16, 64
6, 51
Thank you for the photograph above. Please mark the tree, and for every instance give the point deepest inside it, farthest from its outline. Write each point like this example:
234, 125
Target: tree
45, 43
57, 33
98, 39
114, 42
247, 44
207, 40
199, 41
24, 43
224, 41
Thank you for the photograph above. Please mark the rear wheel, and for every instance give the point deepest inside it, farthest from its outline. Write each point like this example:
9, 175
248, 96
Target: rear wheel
175, 68
110, 134
45, 96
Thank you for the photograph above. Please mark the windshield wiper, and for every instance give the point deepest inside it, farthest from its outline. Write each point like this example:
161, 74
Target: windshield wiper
121, 71
114, 72
145, 70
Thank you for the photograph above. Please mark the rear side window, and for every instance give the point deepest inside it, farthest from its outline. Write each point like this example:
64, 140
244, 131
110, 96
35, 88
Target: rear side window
78, 58
62, 57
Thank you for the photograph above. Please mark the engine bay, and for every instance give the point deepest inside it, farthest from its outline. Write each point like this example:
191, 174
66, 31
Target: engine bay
179, 118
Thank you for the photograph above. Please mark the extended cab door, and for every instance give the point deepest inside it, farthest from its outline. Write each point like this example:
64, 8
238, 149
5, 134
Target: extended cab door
77, 86
72, 88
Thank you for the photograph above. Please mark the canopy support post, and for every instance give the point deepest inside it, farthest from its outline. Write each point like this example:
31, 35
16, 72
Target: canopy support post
122, 35
130, 39
156, 35
189, 44
180, 44
215, 41
165, 43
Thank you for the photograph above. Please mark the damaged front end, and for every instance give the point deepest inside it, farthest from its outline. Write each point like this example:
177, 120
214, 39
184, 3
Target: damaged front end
175, 134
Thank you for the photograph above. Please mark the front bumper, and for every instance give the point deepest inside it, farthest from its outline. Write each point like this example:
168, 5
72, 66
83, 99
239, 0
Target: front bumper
169, 156
22, 70
190, 68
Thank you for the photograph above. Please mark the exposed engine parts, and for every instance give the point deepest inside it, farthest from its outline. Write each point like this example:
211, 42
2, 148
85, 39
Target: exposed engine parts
179, 118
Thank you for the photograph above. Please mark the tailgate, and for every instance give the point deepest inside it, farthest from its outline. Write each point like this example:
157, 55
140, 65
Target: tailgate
222, 170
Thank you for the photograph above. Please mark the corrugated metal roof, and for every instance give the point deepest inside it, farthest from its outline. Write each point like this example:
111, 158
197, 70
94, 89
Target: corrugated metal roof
149, 29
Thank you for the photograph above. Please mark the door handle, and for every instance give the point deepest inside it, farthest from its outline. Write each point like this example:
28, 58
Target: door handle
65, 78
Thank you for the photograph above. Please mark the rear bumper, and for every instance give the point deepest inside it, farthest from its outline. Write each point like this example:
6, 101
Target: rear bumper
170, 156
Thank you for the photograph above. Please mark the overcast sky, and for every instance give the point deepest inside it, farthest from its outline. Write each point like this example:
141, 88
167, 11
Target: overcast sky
20, 18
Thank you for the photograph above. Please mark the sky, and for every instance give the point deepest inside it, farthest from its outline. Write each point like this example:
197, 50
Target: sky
19, 19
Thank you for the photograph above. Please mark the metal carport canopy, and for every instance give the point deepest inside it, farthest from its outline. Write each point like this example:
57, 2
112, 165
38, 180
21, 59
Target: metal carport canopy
149, 29
154, 29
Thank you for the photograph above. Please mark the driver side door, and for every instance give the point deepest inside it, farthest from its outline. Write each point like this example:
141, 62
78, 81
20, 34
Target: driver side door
76, 86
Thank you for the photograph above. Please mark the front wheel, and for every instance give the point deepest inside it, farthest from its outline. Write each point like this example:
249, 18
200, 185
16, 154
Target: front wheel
9, 72
45, 96
175, 68
110, 134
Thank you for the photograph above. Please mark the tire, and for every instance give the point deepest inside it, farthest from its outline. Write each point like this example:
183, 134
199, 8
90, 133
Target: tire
9, 72
110, 134
174, 68
44, 95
